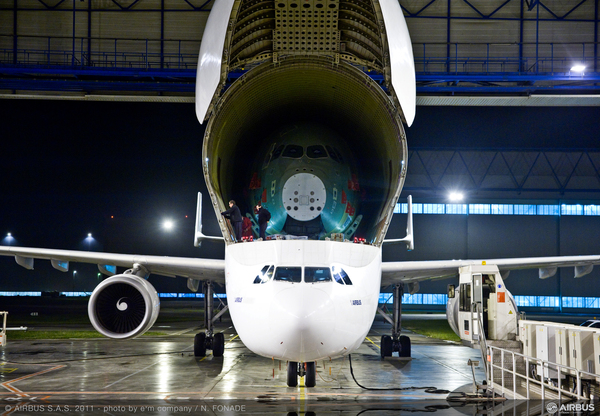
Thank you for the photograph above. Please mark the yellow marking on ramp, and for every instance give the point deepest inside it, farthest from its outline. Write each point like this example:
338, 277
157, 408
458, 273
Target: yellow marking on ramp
368, 339
7, 370
8, 384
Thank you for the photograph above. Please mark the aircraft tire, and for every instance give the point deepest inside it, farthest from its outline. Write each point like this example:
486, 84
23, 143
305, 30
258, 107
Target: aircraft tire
311, 374
200, 344
292, 374
386, 346
218, 346
404, 346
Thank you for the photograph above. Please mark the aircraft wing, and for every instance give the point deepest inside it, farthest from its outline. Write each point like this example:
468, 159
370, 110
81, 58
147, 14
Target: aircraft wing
193, 268
415, 271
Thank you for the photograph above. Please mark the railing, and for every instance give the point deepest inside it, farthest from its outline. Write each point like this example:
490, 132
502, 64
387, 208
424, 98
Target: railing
504, 57
100, 52
482, 340
544, 384
452, 58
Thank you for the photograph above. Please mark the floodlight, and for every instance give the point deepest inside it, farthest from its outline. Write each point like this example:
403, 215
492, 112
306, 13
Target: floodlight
455, 196
578, 68
168, 225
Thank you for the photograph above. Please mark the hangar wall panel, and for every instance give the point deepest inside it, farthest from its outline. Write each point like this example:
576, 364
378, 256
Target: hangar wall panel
579, 236
126, 25
558, 31
484, 31
185, 26
560, 8
511, 236
6, 24
427, 31
436, 8
446, 237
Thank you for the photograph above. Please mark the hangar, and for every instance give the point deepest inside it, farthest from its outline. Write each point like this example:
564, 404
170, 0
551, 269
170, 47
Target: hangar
503, 118
98, 96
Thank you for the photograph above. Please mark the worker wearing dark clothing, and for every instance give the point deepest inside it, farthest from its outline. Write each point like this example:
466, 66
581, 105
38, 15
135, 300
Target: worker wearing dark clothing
235, 216
263, 220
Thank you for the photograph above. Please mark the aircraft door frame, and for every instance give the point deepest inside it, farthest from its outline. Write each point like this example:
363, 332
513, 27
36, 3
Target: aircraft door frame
476, 298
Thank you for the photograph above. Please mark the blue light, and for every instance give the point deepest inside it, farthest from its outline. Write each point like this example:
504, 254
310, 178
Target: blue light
501, 209
8, 240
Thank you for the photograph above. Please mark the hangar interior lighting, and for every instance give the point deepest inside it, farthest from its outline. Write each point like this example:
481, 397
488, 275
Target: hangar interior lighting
578, 68
455, 196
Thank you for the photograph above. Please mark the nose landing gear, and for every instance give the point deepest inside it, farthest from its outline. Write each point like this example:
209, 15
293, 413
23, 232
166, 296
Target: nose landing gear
206, 340
396, 342
307, 370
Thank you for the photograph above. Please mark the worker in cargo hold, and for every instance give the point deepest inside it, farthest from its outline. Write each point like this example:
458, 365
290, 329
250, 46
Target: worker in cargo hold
235, 216
263, 220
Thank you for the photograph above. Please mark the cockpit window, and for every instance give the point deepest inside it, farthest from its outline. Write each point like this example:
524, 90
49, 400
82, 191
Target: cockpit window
335, 154
265, 275
293, 151
332, 154
316, 152
288, 274
277, 152
341, 276
317, 274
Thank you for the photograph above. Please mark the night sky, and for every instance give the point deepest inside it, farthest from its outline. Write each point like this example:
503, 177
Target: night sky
116, 170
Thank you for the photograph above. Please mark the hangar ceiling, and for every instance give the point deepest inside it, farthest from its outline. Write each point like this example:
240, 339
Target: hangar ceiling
466, 51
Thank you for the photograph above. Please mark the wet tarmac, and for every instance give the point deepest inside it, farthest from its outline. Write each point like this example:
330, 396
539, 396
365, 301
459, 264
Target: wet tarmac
160, 375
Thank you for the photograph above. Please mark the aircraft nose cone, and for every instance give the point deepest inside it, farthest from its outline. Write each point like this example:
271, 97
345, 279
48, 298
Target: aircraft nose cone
303, 317
304, 196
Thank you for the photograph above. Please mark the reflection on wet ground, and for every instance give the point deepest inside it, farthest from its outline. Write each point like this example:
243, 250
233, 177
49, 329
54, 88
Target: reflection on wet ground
161, 376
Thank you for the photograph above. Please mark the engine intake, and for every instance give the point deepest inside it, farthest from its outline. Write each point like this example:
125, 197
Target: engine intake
123, 306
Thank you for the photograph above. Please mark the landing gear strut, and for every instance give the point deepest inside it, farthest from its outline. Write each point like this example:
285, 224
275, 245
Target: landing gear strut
208, 340
307, 370
396, 342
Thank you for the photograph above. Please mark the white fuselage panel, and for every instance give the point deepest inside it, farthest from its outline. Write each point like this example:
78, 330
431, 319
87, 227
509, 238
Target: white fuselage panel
301, 321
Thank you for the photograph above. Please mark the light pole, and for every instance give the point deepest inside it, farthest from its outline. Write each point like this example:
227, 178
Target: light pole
73, 283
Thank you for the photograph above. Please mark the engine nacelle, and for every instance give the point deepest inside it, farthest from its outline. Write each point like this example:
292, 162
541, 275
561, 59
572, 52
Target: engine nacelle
123, 306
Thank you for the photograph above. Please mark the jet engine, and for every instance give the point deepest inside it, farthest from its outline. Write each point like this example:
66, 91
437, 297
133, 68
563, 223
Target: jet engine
123, 306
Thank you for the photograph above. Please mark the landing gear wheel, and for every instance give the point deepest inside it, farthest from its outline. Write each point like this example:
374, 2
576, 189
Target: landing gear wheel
218, 345
404, 346
200, 345
386, 346
292, 374
311, 374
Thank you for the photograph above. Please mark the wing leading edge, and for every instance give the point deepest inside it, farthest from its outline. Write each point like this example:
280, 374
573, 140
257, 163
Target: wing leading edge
415, 271
193, 268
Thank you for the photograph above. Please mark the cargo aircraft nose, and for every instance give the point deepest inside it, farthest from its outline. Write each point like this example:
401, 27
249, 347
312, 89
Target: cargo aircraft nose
303, 317
304, 196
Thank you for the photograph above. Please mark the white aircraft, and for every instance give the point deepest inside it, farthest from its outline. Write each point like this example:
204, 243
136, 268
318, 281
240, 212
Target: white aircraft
305, 131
